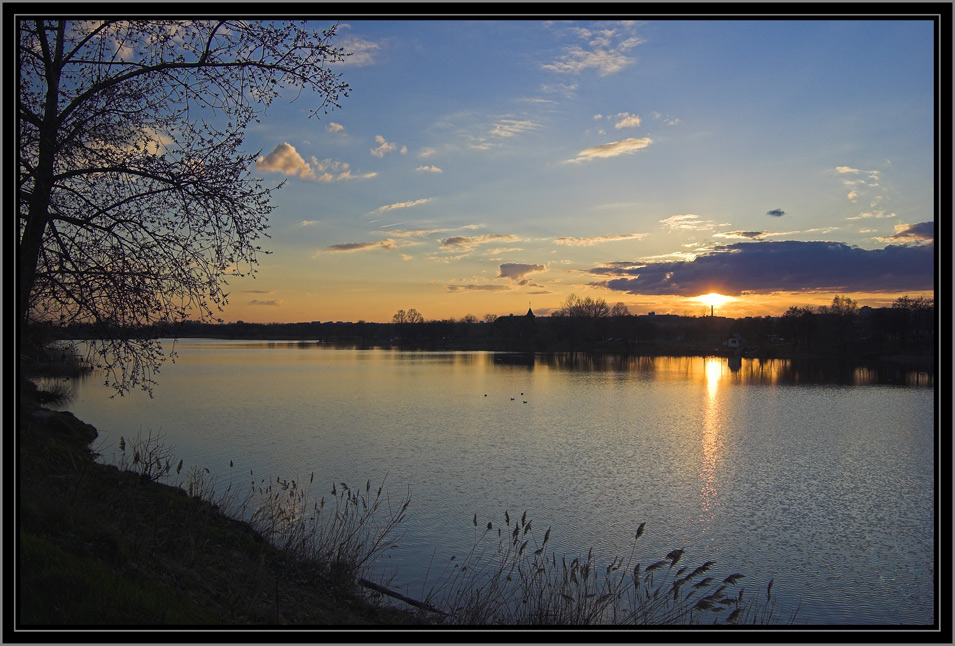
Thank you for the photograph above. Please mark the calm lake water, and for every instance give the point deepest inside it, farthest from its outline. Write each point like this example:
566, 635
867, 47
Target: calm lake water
824, 484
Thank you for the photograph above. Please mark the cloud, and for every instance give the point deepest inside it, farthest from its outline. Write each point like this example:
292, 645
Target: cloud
384, 146
479, 135
345, 247
335, 128
417, 233
688, 222
605, 51
785, 266
750, 235
478, 288
329, 170
586, 242
400, 205
517, 271
626, 120
361, 52
776, 213
667, 119
858, 181
865, 215
466, 243
285, 159
511, 127
921, 232
308, 223
429, 169
565, 90
613, 149
272, 303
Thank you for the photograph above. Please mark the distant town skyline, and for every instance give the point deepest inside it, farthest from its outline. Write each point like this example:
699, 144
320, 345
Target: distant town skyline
490, 166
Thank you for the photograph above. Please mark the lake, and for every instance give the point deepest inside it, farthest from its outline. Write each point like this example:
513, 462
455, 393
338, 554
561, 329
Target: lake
823, 482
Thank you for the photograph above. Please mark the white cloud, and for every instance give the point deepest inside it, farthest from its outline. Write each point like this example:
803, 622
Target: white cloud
688, 222
362, 52
511, 127
429, 169
627, 120
613, 149
332, 171
285, 159
865, 215
335, 128
604, 51
587, 242
400, 205
384, 146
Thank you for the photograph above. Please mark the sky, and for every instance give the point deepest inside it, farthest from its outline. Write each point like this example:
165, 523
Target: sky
488, 167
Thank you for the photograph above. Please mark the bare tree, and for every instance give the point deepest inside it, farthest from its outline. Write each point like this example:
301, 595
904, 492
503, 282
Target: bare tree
620, 309
574, 306
135, 199
411, 316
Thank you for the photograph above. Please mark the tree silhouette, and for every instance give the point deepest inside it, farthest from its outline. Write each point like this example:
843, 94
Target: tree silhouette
574, 306
135, 199
411, 316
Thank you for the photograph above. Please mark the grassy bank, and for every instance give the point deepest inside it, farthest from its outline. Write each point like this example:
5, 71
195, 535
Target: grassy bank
101, 547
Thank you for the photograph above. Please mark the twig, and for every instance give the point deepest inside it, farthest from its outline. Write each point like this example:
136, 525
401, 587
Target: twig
401, 597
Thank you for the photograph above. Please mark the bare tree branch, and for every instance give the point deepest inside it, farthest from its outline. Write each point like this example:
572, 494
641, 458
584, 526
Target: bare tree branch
135, 198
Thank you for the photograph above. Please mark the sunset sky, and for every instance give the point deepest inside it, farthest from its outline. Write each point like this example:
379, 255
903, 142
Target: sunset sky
491, 166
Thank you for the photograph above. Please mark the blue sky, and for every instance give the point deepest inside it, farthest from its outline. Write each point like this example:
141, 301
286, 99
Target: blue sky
487, 166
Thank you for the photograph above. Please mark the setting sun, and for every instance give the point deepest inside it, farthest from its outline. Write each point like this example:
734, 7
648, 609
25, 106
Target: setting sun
713, 299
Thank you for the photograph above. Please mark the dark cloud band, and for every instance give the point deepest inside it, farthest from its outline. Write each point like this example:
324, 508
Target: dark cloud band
787, 266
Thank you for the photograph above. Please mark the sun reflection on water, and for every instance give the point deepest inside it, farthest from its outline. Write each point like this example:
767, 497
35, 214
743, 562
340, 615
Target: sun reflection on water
712, 441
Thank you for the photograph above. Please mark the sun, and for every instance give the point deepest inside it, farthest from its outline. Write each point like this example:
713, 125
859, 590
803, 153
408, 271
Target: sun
713, 299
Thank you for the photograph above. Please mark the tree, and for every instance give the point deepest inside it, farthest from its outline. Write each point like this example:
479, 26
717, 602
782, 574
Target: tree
839, 320
914, 314
411, 316
135, 199
620, 309
574, 306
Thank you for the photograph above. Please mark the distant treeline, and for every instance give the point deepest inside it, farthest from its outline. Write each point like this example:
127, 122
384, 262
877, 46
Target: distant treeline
841, 330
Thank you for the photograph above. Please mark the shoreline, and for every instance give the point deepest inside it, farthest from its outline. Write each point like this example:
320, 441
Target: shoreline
99, 546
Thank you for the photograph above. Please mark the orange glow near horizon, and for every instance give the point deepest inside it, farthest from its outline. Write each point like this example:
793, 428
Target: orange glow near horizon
379, 305
714, 300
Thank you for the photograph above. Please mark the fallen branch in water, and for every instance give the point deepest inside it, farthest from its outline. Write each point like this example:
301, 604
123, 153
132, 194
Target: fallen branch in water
401, 597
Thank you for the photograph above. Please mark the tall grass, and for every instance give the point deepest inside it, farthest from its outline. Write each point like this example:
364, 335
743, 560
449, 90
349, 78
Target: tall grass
343, 534
53, 391
510, 577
